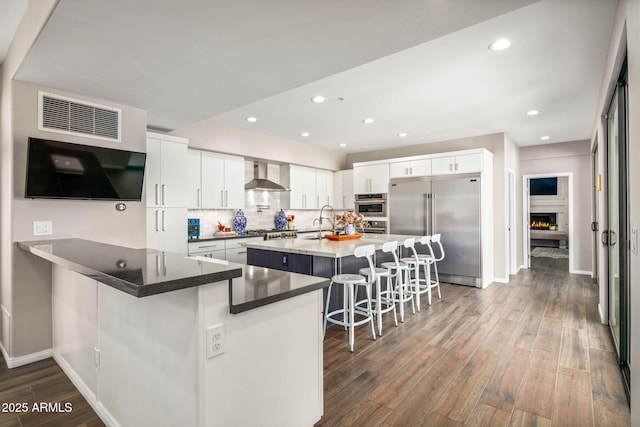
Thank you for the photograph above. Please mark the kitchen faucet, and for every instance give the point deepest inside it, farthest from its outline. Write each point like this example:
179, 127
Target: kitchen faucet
332, 219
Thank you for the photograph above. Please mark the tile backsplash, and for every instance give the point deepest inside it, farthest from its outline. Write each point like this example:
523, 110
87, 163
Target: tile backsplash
261, 208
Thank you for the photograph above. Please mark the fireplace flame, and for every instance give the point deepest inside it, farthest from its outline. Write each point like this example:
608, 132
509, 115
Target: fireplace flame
539, 224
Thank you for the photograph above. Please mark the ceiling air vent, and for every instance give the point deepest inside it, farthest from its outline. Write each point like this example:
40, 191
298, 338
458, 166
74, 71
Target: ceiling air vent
65, 115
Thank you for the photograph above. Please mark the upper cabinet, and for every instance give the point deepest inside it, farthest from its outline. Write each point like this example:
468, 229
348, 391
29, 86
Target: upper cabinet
166, 171
408, 168
464, 163
215, 181
343, 196
371, 178
324, 187
310, 188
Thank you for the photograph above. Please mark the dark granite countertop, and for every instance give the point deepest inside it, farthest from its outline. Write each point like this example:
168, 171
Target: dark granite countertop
145, 272
261, 286
138, 272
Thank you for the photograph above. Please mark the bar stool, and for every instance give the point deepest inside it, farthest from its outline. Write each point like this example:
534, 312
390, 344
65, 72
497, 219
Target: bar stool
426, 260
436, 238
400, 272
413, 263
385, 300
351, 283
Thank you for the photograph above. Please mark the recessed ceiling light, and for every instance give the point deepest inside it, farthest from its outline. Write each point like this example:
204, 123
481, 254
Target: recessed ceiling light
533, 112
368, 120
343, 145
500, 44
544, 138
402, 135
304, 134
251, 119
318, 99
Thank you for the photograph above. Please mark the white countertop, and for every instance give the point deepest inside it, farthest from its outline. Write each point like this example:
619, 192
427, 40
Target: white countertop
325, 248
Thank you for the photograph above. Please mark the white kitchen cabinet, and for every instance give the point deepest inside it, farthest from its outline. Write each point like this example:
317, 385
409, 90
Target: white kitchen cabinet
237, 253
343, 196
301, 181
227, 249
410, 168
371, 178
324, 188
166, 171
464, 163
216, 181
165, 183
167, 229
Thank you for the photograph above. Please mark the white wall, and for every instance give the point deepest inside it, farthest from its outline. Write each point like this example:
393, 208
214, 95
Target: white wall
34, 18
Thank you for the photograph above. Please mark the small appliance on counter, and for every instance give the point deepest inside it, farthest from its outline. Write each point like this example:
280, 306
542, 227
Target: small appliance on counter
193, 228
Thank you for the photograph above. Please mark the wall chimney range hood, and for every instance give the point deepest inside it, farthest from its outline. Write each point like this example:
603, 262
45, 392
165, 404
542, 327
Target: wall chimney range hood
260, 181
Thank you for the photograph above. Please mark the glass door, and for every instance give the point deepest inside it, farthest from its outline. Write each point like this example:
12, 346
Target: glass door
615, 237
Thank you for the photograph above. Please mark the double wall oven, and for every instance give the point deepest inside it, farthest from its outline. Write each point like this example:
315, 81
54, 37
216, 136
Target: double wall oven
374, 209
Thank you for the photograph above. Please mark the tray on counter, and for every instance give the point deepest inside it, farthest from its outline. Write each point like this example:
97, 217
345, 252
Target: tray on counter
343, 236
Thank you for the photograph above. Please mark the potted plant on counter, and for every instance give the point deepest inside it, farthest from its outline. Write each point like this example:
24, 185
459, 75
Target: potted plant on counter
349, 221
553, 227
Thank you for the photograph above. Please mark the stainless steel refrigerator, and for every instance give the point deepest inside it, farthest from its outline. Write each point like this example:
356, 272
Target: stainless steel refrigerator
446, 205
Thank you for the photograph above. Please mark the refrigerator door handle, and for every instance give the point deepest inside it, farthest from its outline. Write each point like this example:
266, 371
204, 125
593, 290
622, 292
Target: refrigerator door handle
427, 213
433, 213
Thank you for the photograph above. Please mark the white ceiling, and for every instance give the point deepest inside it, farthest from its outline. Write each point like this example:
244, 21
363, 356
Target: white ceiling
416, 66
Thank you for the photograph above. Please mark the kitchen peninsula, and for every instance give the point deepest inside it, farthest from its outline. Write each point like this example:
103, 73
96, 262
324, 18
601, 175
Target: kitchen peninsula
153, 338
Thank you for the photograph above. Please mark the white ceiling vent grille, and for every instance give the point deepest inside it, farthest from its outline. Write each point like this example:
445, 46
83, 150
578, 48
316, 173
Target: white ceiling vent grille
65, 115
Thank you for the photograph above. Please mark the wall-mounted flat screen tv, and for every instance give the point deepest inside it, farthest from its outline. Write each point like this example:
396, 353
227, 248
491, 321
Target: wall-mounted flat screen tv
61, 170
543, 186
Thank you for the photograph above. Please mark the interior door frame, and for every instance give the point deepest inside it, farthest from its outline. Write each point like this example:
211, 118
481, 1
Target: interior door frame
526, 235
512, 261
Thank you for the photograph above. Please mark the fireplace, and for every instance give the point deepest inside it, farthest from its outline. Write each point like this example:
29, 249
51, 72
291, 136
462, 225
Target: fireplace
541, 221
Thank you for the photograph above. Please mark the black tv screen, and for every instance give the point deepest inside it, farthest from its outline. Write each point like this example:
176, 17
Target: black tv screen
543, 186
61, 170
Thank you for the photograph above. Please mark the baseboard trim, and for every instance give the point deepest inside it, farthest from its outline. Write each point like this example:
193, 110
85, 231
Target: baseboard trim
583, 272
14, 362
99, 409
601, 314
500, 280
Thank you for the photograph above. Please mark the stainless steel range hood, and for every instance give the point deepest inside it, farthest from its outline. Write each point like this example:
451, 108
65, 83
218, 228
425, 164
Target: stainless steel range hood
260, 181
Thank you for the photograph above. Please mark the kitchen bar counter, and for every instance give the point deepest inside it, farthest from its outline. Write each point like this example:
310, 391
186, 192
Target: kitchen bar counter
145, 272
137, 272
179, 348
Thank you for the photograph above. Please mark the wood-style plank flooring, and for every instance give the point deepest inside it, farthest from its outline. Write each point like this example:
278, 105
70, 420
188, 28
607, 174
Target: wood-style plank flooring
528, 353
42, 383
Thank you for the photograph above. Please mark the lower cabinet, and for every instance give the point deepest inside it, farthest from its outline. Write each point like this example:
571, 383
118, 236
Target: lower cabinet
229, 249
293, 263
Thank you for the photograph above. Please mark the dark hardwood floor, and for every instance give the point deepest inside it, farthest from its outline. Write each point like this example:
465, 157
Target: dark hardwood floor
58, 402
528, 353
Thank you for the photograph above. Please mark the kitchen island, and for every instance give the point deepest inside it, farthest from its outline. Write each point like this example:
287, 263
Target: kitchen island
318, 257
156, 339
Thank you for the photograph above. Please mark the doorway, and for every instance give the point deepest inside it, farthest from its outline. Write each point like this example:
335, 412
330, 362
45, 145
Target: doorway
559, 207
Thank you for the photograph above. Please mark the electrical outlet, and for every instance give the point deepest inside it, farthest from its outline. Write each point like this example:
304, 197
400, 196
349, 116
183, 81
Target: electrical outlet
634, 241
42, 228
215, 341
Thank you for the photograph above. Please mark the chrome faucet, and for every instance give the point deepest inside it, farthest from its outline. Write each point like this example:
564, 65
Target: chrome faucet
332, 219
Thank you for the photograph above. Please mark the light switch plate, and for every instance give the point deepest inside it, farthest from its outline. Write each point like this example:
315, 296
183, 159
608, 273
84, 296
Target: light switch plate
42, 228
